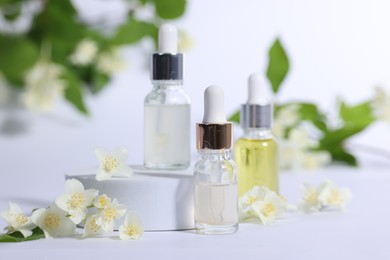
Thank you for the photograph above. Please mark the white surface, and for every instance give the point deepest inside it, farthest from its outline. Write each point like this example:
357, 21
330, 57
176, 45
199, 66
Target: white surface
360, 233
162, 199
336, 48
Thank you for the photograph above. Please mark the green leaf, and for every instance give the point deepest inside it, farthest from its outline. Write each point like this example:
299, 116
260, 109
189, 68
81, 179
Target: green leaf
14, 15
99, 81
9, 2
355, 118
278, 65
133, 31
58, 27
73, 92
307, 111
235, 118
170, 9
310, 112
18, 55
339, 154
358, 116
336, 137
18, 237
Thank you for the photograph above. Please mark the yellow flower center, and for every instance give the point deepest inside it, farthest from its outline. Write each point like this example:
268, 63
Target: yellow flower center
110, 213
282, 197
21, 219
52, 220
251, 199
269, 209
311, 197
110, 163
102, 201
77, 200
131, 231
93, 226
334, 197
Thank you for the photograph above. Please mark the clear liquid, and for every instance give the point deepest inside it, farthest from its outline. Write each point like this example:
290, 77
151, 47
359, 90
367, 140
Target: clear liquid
257, 164
167, 136
216, 208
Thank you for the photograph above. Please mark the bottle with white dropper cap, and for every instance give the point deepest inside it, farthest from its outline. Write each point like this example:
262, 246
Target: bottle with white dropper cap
256, 150
215, 173
167, 108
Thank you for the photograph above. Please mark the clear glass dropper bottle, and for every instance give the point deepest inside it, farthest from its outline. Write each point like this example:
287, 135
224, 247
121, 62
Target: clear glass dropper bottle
167, 108
256, 150
215, 173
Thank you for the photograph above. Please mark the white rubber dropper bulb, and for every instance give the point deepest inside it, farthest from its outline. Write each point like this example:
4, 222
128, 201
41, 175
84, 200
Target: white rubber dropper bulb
167, 39
214, 107
256, 90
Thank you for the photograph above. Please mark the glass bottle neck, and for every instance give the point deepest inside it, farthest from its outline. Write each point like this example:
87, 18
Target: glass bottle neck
167, 84
224, 154
257, 133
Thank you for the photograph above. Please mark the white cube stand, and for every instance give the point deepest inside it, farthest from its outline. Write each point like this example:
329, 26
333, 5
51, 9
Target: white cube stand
163, 199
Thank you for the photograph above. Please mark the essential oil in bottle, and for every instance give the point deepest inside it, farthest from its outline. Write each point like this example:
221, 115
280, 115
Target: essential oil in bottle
215, 172
167, 108
256, 151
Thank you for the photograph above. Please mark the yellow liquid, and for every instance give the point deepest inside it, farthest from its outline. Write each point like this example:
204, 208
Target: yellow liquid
257, 164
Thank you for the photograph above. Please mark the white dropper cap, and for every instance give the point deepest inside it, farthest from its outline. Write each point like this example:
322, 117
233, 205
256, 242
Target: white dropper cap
256, 90
257, 111
167, 39
215, 133
167, 63
214, 108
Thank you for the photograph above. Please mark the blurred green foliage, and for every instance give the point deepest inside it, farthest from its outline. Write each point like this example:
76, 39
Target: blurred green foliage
353, 119
56, 30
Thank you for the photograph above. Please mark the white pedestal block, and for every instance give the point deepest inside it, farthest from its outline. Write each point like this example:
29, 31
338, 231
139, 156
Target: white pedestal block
163, 199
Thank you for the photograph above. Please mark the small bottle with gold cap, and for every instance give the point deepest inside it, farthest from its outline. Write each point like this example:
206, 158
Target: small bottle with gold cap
215, 172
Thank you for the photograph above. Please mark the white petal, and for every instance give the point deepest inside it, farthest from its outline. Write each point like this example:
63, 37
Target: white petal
121, 153
5, 214
67, 227
91, 228
107, 226
121, 210
29, 225
62, 202
37, 216
124, 171
102, 201
100, 153
258, 209
90, 195
14, 208
78, 216
132, 218
73, 186
122, 234
103, 175
25, 232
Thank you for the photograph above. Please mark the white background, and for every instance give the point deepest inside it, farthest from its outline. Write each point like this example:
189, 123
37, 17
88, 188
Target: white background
336, 48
